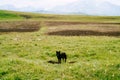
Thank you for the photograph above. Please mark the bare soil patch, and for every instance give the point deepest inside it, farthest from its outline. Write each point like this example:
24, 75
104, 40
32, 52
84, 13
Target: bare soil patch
83, 29
57, 23
83, 33
19, 26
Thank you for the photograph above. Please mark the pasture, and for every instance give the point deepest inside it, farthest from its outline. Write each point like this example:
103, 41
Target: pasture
28, 44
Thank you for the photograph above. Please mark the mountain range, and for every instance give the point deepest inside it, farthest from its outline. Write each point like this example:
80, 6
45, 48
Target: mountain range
89, 7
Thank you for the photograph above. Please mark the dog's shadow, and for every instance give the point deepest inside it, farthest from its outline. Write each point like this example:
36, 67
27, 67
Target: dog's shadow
72, 62
55, 62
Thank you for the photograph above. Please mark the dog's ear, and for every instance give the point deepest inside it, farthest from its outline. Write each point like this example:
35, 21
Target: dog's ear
59, 51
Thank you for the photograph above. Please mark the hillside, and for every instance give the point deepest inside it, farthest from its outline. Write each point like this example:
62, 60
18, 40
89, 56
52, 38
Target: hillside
8, 15
13, 15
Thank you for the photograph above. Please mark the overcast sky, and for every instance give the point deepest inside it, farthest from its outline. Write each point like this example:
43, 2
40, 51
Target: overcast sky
46, 4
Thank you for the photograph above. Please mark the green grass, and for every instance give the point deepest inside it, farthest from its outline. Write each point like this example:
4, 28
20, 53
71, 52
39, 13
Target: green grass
25, 55
8, 15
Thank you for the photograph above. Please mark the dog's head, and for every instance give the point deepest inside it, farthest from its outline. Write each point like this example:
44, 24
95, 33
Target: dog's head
57, 53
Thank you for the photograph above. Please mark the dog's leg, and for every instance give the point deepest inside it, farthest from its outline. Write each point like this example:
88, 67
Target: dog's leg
59, 60
65, 59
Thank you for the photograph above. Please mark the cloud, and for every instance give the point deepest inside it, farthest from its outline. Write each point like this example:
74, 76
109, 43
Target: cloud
91, 7
35, 3
116, 2
46, 4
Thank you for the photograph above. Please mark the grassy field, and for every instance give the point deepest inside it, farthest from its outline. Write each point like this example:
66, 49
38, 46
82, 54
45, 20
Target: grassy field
92, 44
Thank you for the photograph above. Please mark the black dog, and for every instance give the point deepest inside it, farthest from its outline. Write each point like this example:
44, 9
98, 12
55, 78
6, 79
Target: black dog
61, 55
